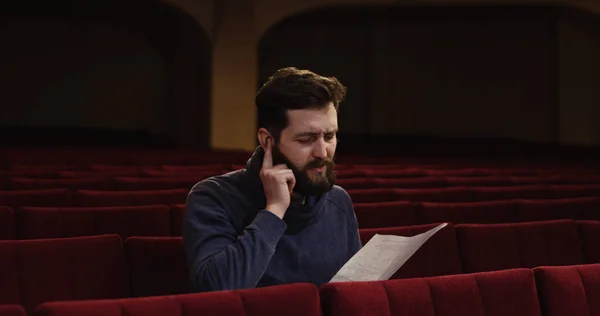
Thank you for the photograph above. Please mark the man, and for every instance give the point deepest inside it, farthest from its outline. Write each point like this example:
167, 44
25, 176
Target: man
282, 219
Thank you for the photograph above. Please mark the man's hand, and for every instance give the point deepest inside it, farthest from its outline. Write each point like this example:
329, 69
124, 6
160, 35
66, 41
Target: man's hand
278, 182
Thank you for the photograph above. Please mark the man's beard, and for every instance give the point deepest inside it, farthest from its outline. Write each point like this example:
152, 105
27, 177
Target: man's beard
320, 184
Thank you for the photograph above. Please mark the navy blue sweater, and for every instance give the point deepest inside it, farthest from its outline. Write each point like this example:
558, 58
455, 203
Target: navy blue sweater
232, 242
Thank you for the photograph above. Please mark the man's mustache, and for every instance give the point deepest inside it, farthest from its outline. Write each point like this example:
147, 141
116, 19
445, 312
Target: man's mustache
318, 163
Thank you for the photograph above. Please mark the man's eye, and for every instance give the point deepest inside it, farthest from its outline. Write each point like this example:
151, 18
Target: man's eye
329, 136
304, 140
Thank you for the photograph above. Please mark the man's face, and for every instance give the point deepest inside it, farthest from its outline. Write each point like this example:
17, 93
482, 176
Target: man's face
307, 145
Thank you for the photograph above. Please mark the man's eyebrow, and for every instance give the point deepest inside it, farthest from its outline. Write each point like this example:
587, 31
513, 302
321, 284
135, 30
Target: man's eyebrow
304, 134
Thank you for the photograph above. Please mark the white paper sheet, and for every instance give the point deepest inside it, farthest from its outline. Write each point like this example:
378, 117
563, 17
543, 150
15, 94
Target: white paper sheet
382, 256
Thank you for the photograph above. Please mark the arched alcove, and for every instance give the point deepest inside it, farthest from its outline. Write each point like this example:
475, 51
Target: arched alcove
333, 41
104, 72
416, 72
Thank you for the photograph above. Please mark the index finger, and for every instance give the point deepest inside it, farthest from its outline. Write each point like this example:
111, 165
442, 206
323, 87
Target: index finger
268, 159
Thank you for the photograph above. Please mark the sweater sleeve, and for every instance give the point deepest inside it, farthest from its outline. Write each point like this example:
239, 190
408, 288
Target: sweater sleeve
220, 258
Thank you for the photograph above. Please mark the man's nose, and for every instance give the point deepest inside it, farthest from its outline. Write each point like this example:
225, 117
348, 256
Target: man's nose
320, 149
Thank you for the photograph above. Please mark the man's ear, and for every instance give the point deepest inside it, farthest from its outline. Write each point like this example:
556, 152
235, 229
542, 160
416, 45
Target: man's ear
262, 136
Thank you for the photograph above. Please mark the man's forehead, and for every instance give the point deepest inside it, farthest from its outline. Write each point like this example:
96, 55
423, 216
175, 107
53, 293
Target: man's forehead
313, 121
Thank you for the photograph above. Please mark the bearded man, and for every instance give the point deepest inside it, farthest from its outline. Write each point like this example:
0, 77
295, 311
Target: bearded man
282, 219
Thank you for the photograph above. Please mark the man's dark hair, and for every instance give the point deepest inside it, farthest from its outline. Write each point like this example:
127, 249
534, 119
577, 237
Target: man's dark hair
294, 89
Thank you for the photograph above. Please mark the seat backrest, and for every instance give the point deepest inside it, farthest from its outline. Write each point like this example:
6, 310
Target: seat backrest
467, 213
48, 197
479, 181
298, 299
187, 168
125, 171
381, 173
450, 194
467, 172
385, 214
177, 213
438, 256
41, 270
488, 247
372, 195
198, 174
499, 293
133, 183
569, 290
157, 266
12, 310
130, 198
95, 183
512, 192
126, 221
537, 179
7, 223
552, 209
369, 183
575, 190
589, 234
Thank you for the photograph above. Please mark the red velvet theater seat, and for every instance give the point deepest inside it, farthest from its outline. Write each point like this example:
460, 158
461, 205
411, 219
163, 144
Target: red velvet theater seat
469, 212
551, 209
569, 290
7, 223
372, 195
438, 256
12, 310
499, 293
130, 198
45, 167
575, 190
198, 174
381, 173
177, 212
589, 234
102, 167
97, 183
385, 214
187, 168
49, 197
157, 266
453, 194
488, 247
512, 192
537, 180
583, 179
126, 221
470, 172
36, 271
371, 183
298, 299
101, 173
132, 183
479, 181
36, 173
